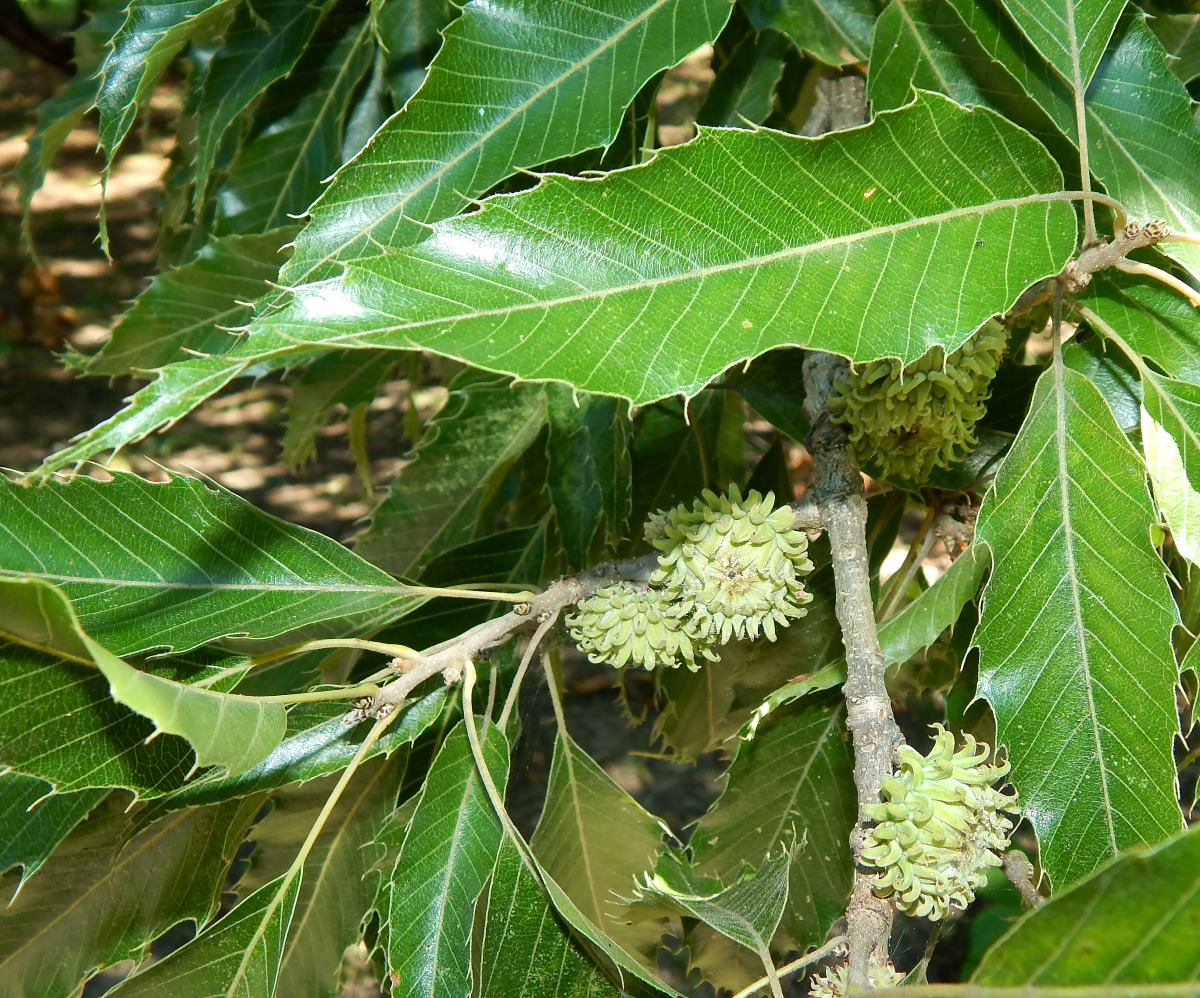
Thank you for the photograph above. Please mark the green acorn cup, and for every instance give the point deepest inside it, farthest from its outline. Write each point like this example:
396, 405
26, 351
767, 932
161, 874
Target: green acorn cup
907, 421
939, 827
624, 625
732, 565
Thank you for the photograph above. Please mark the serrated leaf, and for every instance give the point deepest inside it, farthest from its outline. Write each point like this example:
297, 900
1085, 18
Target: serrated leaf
34, 820
590, 477
1180, 36
447, 856
568, 73
224, 729
1074, 635
261, 46
748, 911
316, 744
237, 956
278, 173
98, 903
1129, 927
593, 839
835, 31
524, 951
340, 378
151, 35
410, 34
179, 563
1071, 34
1170, 422
191, 308
795, 775
434, 503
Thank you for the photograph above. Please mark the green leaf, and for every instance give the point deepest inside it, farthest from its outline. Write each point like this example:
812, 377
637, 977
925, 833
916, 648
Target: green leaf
410, 34
1074, 636
179, 563
1114, 376
340, 378
508, 288
774, 386
224, 729
190, 309
1180, 36
835, 31
747, 73
1132, 925
99, 902
1170, 421
593, 839
590, 477
279, 172
151, 35
795, 774
238, 956
317, 743
563, 77
447, 856
435, 502
1071, 34
525, 952
748, 912
261, 46
34, 820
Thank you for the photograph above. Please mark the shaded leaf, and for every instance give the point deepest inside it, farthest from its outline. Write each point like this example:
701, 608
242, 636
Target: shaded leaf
339, 378
435, 502
443, 866
179, 563
192, 307
796, 774
774, 385
224, 729
410, 34
1180, 36
34, 820
835, 31
747, 72
593, 839
1114, 376
525, 952
1131, 924
1074, 636
98, 903
237, 956
563, 77
590, 477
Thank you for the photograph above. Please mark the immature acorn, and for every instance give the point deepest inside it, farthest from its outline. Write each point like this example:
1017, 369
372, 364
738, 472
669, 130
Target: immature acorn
624, 625
732, 565
939, 828
907, 421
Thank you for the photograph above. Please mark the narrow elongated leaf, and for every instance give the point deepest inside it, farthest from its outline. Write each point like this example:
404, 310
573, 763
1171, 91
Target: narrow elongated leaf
262, 46
192, 307
590, 477
443, 865
1074, 635
525, 951
434, 503
178, 563
835, 31
1171, 444
237, 956
563, 77
110, 901
34, 820
347, 379
594, 839
224, 729
1132, 924
796, 774
278, 173
152, 34
1071, 34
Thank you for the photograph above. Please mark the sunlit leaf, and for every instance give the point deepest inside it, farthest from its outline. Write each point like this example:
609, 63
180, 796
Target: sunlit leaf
178, 563
1071, 34
1074, 636
1171, 444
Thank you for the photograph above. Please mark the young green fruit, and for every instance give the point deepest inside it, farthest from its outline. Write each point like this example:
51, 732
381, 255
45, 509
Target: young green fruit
835, 982
732, 565
939, 828
907, 421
